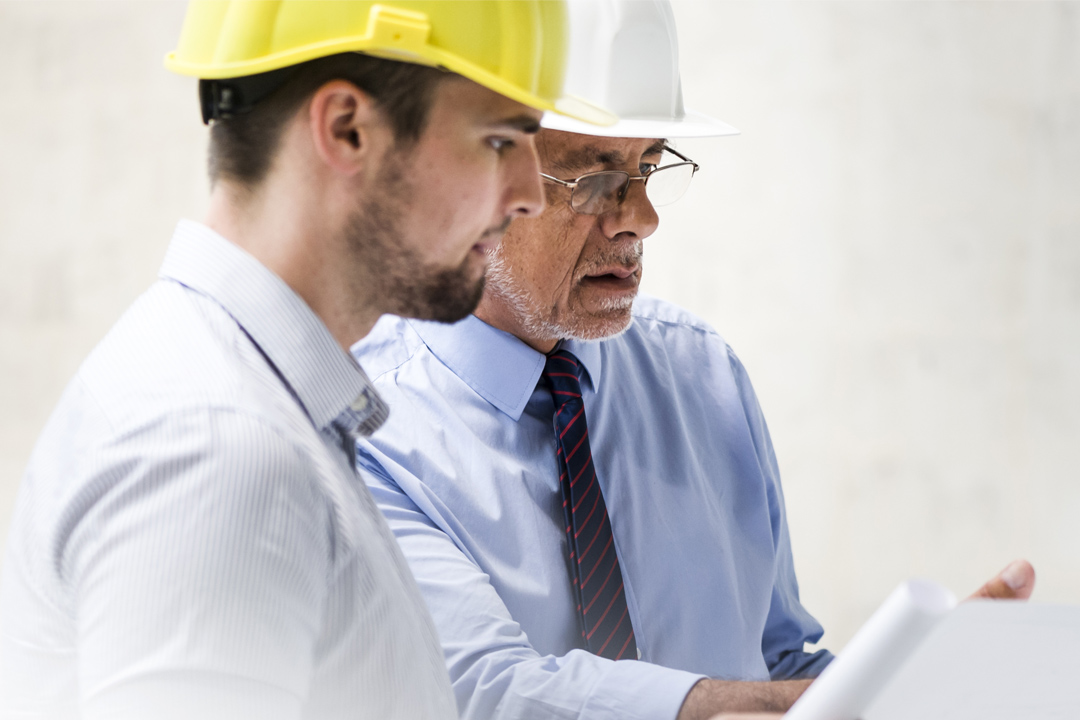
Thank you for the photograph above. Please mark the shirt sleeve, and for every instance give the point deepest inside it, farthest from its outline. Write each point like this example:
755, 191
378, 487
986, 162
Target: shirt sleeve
494, 671
789, 626
197, 549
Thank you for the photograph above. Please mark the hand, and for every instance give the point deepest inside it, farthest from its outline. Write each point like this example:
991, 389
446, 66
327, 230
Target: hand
738, 700
1015, 582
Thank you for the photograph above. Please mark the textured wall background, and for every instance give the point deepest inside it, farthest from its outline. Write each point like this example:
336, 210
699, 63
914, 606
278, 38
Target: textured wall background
892, 246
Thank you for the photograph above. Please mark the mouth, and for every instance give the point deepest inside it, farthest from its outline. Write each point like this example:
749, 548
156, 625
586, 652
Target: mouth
618, 278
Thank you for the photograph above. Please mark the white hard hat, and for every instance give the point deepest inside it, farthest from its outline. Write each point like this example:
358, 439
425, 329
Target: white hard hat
624, 56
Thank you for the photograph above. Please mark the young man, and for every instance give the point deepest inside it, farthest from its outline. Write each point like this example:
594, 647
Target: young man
191, 539
581, 478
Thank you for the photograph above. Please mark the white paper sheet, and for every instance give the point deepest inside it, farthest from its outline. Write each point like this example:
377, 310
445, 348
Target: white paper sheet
871, 659
991, 660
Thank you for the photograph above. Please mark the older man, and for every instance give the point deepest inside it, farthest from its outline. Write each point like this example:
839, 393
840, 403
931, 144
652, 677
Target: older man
191, 539
582, 478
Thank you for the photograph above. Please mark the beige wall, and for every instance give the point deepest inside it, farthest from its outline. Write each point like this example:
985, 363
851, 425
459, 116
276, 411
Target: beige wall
892, 246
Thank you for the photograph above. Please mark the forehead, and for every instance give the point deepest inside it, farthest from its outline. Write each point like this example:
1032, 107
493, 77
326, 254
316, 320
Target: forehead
459, 99
566, 151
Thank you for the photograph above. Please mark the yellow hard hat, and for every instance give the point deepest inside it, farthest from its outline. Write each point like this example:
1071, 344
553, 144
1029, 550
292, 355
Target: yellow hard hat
515, 47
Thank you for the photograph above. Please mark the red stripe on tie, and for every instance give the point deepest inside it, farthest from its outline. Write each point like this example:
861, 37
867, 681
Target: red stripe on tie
581, 472
569, 375
585, 492
596, 565
618, 656
572, 421
603, 584
617, 626
579, 442
586, 520
566, 405
589, 547
559, 356
606, 611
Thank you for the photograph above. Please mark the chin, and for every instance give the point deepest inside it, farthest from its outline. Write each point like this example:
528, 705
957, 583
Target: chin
600, 326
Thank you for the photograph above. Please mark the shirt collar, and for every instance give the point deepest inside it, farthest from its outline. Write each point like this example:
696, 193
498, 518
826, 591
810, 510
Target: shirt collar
497, 365
325, 379
589, 353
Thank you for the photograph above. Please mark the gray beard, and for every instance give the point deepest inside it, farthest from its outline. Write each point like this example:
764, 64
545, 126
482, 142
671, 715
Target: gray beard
539, 322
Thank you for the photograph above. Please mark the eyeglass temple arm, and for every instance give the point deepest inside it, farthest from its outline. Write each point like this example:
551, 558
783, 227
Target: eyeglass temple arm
564, 183
676, 153
574, 183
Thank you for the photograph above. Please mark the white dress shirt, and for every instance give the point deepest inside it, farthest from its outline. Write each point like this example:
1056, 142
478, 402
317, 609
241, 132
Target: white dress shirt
190, 538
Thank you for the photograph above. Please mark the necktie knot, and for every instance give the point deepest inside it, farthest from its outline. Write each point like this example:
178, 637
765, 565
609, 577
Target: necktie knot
563, 372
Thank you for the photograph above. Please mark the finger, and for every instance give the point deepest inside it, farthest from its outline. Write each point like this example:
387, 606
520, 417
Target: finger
1015, 582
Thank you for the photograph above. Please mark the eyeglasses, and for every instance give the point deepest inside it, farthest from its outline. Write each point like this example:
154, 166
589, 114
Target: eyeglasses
597, 193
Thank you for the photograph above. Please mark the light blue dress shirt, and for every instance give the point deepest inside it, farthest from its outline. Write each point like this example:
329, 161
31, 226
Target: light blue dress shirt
465, 472
191, 539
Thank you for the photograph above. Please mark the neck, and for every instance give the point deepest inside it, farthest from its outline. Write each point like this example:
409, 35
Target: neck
286, 228
497, 312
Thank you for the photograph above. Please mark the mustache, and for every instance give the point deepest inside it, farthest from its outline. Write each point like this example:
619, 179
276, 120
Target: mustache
622, 255
498, 230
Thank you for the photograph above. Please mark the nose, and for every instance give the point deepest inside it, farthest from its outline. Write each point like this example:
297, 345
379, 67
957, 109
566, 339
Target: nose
634, 218
524, 188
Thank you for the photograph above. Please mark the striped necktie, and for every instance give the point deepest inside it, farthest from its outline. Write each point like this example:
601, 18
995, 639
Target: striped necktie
597, 579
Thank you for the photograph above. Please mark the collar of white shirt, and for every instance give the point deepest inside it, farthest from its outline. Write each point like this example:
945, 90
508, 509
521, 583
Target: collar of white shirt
326, 381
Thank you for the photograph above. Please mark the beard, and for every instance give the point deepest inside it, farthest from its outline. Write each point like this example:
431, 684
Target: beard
610, 319
395, 274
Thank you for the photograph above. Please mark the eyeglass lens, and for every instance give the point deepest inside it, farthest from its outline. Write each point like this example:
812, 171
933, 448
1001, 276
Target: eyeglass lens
667, 184
599, 192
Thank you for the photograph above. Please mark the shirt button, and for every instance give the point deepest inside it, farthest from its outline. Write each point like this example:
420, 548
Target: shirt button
639, 653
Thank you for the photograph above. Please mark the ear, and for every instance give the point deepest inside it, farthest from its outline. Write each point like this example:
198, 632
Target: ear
345, 126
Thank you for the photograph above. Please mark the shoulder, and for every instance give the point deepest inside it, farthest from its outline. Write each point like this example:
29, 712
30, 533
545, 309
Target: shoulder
665, 340
177, 389
223, 455
649, 310
662, 325
662, 322
174, 351
389, 345
162, 471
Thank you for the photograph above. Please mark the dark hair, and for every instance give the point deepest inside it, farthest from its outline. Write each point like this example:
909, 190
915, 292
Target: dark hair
242, 146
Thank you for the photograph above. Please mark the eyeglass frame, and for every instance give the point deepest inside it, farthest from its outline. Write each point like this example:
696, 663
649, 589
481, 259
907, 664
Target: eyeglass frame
572, 184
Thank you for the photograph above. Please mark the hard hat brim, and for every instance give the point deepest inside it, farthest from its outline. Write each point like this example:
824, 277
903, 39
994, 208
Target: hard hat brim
692, 124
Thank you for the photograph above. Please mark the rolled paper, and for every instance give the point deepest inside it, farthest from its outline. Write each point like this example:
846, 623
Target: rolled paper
851, 681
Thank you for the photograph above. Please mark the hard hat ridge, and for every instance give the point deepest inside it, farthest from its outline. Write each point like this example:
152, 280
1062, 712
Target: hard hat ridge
624, 55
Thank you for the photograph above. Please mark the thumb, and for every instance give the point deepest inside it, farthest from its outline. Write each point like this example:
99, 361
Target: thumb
1015, 582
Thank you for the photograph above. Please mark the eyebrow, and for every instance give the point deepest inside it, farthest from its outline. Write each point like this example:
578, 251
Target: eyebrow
592, 155
522, 123
656, 148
